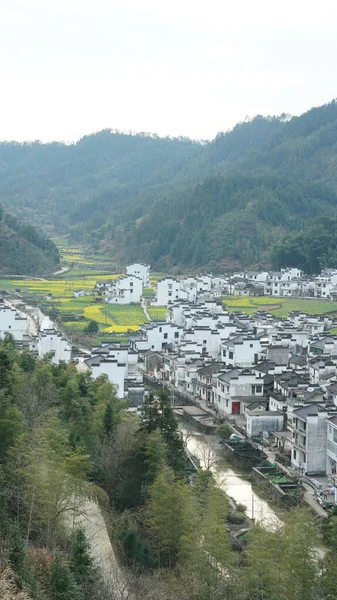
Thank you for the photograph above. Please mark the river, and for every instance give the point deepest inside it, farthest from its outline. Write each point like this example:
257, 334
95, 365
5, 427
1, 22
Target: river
209, 454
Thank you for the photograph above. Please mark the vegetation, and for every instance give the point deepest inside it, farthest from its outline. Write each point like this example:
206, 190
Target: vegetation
64, 438
180, 204
23, 250
279, 307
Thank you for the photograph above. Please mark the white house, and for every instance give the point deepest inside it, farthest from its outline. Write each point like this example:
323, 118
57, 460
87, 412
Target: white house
156, 336
259, 421
122, 353
230, 387
79, 293
331, 451
241, 351
168, 290
125, 290
51, 341
11, 322
106, 365
141, 271
309, 441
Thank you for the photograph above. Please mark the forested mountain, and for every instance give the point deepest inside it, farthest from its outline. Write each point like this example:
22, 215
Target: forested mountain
179, 203
23, 250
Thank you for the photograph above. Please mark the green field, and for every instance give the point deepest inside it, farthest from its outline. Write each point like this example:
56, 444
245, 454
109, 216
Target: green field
157, 313
279, 307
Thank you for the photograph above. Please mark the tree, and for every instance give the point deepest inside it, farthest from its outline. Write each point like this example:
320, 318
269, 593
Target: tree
155, 455
82, 565
92, 328
170, 516
62, 583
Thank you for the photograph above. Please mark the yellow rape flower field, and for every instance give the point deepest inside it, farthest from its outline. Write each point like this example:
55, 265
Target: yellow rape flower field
119, 319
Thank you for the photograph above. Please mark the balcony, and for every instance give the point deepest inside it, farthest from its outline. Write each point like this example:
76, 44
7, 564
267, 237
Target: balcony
332, 448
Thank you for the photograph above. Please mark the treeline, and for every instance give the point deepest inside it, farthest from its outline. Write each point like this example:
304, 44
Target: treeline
147, 197
311, 250
25, 251
65, 438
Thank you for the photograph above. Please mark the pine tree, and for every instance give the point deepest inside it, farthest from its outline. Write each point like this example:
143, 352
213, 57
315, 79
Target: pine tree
62, 582
155, 455
81, 563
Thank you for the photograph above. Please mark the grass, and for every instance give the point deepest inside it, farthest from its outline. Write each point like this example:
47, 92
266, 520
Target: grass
279, 307
157, 313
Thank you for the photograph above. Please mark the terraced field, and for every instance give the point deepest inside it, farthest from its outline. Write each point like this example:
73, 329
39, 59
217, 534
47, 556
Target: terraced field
279, 307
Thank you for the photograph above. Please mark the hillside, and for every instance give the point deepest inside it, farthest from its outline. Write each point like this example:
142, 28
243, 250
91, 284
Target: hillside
179, 203
23, 250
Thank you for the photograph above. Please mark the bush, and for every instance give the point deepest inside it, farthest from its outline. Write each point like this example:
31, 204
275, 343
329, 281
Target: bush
236, 518
224, 431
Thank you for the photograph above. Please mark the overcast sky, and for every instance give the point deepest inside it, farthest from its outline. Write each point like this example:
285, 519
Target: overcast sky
178, 67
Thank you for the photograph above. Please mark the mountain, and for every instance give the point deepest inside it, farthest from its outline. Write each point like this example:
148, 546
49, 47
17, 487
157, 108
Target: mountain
23, 250
178, 203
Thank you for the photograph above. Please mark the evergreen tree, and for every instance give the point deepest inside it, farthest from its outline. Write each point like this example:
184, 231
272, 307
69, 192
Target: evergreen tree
62, 582
155, 455
81, 564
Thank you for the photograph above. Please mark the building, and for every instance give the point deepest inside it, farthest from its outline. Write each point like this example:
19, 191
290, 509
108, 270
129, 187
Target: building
11, 322
230, 387
258, 421
141, 271
309, 441
168, 290
331, 451
125, 290
51, 341
241, 351
156, 336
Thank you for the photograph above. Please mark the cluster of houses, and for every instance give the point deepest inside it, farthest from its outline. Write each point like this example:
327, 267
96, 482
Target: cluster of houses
292, 282
272, 377
268, 375
116, 361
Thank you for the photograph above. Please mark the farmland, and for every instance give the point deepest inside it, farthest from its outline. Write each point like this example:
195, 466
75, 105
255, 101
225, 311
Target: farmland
279, 307
157, 313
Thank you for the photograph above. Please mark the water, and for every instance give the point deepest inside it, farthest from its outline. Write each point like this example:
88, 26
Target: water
208, 452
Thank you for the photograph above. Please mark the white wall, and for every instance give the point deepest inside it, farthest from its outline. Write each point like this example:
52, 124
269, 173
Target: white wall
53, 342
141, 271
12, 323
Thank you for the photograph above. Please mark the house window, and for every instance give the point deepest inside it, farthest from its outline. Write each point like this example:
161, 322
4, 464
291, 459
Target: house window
228, 388
231, 355
258, 389
165, 336
170, 294
204, 341
176, 334
250, 345
160, 329
170, 286
227, 403
224, 353
295, 454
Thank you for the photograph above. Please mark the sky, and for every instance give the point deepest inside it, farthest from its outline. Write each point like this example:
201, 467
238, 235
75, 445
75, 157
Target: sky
180, 67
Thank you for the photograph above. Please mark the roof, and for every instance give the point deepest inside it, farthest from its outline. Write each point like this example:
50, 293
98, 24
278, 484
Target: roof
212, 368
306, 411
300, 361
264, 413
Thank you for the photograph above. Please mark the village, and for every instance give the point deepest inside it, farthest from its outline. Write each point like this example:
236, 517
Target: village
274, 380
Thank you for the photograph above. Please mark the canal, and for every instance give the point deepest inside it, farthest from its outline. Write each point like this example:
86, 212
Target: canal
208, 452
